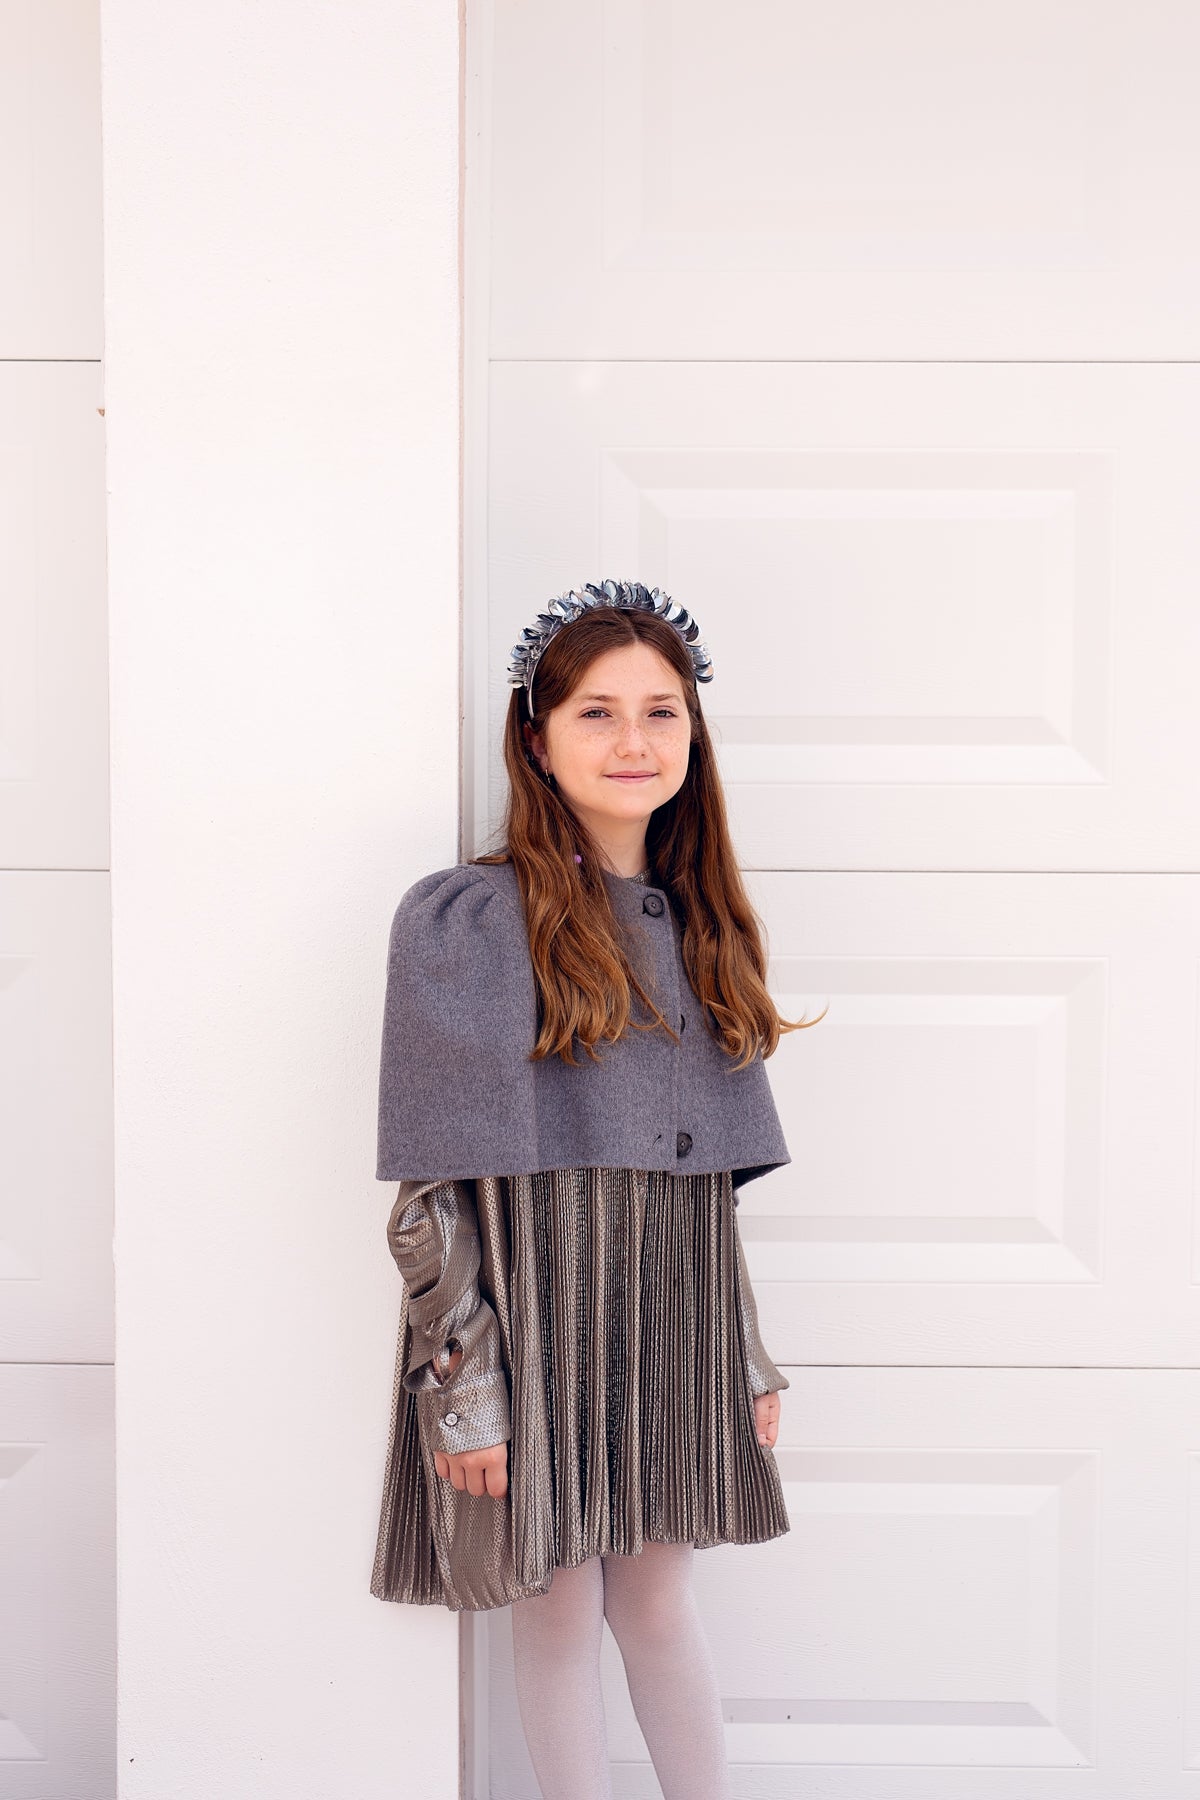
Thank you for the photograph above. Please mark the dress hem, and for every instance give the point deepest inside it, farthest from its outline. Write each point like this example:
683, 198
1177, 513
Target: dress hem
452, 1604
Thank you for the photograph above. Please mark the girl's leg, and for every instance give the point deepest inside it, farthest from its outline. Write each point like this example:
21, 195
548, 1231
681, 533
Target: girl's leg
651, 1608
556, 1664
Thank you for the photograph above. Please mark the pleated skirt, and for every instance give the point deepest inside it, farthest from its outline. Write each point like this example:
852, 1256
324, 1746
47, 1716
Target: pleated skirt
619, 1297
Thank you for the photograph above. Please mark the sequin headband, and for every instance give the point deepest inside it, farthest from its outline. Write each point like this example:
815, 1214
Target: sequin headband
565, 608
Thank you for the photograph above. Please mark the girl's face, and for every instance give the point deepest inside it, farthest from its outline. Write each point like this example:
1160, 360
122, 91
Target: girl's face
619, 746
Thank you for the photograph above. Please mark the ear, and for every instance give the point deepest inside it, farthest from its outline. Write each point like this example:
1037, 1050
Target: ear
535, 742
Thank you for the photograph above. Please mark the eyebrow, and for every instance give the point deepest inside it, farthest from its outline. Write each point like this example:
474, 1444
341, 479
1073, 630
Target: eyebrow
611, 697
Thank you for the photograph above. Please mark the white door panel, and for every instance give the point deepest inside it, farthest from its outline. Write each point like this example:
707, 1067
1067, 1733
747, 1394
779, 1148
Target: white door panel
992, 1129
989, 1587
872, 335
57, 1583
51, 242
977, 584
1004, 180
53, 618
56, 1149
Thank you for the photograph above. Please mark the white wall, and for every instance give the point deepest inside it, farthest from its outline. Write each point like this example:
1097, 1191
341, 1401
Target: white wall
281, 217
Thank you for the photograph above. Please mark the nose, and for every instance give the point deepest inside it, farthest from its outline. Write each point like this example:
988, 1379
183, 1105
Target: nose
630, 735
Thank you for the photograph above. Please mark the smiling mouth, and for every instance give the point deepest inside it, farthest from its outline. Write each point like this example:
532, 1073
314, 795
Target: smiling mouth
646, 775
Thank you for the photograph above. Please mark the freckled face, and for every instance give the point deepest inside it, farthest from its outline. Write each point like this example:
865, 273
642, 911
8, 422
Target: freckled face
619, 746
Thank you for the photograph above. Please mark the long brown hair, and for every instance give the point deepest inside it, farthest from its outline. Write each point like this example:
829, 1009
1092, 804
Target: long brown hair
585, 981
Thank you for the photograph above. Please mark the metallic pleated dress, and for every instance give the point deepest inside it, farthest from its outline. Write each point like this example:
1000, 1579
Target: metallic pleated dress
609, 1335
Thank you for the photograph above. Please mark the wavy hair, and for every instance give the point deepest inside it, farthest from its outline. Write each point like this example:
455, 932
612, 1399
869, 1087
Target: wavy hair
585, 981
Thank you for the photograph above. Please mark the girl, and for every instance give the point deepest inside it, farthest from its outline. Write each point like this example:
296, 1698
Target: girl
571, 1092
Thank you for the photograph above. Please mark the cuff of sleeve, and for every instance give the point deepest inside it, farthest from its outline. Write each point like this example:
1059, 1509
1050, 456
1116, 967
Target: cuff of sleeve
470, 1417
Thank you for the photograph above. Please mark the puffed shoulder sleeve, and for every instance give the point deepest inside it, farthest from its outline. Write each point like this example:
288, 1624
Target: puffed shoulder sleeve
459, 1021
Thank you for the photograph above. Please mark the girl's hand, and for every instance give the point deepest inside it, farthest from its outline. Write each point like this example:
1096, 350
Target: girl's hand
475, 1471
766, 1418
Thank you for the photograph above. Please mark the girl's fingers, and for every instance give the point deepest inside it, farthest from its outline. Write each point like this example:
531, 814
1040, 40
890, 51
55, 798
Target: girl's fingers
489, 1476
497, 1481
766, 1419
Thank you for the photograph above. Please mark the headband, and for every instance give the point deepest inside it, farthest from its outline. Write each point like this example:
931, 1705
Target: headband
565, 608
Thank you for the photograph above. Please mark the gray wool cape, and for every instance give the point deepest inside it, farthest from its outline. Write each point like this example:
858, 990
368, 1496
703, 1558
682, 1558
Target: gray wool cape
460, 1099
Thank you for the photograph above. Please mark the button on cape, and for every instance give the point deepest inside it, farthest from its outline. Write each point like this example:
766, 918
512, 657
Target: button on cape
459, 1097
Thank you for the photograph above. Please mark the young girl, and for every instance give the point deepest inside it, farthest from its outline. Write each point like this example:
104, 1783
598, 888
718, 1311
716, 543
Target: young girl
571, 1091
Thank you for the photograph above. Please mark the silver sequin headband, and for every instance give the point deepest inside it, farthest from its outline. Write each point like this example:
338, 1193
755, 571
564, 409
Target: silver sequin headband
565, 608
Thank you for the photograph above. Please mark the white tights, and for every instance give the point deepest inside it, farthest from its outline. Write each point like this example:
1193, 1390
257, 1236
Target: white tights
651, 1610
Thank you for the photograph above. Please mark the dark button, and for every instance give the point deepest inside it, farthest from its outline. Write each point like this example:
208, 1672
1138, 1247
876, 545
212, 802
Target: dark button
653, 904
683, 1144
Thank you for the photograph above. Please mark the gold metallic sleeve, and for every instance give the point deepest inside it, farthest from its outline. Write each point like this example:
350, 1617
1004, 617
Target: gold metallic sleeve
765, 1377
433, 1235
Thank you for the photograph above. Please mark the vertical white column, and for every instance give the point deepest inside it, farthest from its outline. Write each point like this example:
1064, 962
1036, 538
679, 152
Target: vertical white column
282, 410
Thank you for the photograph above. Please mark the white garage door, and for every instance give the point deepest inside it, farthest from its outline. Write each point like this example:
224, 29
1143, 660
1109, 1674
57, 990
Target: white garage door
864, 330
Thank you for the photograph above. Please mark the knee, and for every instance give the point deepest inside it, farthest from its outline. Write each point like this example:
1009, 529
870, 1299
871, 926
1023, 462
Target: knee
648, 1616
